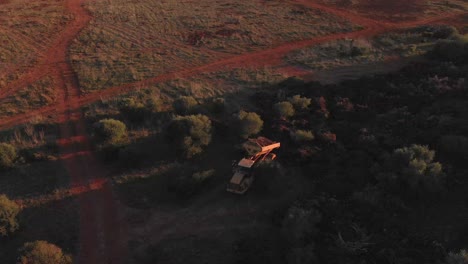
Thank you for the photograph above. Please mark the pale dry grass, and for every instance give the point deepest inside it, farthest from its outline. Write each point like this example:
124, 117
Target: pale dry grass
348, 52
27, 28
134, 40
33, 96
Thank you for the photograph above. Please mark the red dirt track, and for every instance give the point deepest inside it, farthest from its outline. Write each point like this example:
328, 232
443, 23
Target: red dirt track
268, 57
102, 234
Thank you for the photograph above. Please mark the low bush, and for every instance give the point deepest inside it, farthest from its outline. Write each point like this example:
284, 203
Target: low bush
42, 252
249, 123
8, 155
184, 105
111, 132
190, 133
284, 109
8, 216
302, 136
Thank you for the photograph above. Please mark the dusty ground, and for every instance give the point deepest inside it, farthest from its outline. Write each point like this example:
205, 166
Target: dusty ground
397, 10
103, 234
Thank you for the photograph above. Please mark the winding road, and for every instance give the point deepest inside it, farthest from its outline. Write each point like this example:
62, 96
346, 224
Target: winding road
102, 237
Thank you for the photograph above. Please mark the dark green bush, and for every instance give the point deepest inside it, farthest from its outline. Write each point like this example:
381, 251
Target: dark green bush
457, 258
184, 105
454, 49
300, 103
190, 133
42, 252
413, 167
284, 109
135, 111
8, 213
302, 135
111, 132
7, 155
249, 123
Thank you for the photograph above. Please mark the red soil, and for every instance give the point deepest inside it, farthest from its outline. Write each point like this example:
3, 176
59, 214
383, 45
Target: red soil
268, 57
98, 209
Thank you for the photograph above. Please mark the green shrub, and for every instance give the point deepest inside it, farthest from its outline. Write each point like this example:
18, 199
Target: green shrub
203, 176
451, 49
7, 155
249, 123
133, 110
42, 252
413, 167
190, 133
300, 103
111, 132
218, 105
184, 105
284, 109
8, 212
302, 135
457, 258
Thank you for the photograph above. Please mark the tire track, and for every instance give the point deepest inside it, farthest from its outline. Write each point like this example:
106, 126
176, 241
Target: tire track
268, 57
100, 235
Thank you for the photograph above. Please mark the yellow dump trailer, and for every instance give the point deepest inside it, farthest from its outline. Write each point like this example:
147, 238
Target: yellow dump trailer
243, 178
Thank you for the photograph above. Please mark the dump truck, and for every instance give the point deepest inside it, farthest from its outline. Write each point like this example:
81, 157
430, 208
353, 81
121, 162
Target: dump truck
261, 149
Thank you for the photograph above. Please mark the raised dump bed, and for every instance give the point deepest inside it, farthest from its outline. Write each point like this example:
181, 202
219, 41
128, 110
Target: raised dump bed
259, 149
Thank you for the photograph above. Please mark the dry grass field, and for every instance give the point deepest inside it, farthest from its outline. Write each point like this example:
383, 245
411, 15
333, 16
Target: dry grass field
130, 41
26, 30
33, 96
348, 52
398, 10
65, 64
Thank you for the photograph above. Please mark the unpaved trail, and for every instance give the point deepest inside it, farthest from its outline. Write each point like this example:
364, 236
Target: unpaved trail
101, 237
268, 57
102, 233
55, 53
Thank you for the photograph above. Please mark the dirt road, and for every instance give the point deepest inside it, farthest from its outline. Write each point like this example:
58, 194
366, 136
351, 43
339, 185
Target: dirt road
268, 57
102, 233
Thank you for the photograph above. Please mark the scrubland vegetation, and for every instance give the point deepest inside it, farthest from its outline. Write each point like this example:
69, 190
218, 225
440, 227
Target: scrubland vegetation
388, 46
398, 10
134, 41
26, 28
34, 96
369, 171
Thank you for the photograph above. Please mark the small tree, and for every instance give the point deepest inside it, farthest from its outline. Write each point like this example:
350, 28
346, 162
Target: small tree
300, 103
190, 133
8, 212
457, 258
7, 155
184, 105
250, 123
453, 49
42, 252
134, 110
302, 135
112, 132
413, 167
284, 109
